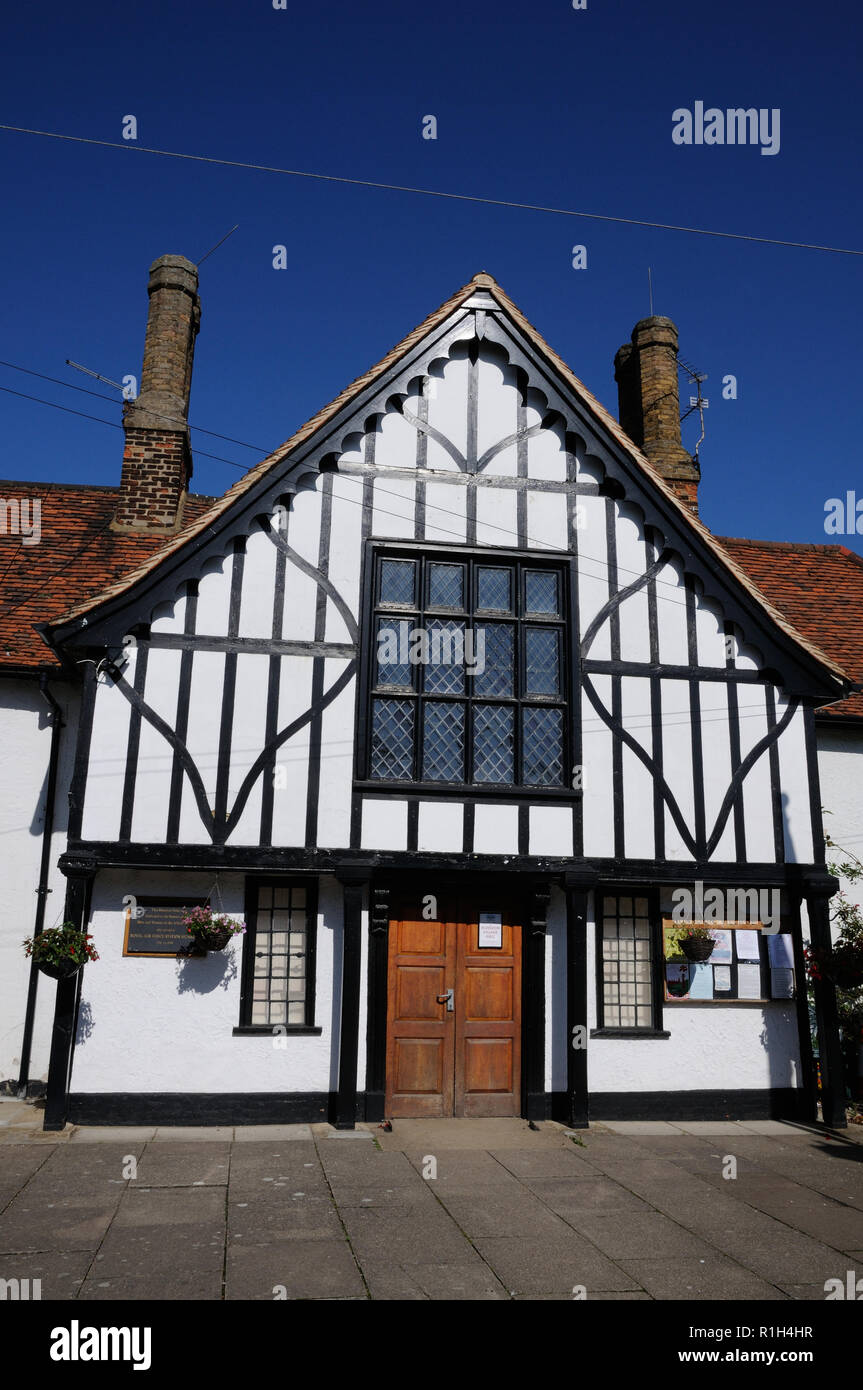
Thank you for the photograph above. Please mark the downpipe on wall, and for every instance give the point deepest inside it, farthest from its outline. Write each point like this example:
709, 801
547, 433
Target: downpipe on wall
43, 889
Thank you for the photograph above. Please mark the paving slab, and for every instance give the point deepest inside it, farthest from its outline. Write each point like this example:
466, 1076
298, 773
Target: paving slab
14, 1111
401, 1200
85, 1169
20, 1161
171, 1284
183, 1165
251, 1134
205, 1133
640, 1127
711, 1278
67, 1223
603, 1296
61, 1272
789, 1257
302, 1268
14, 1134
777, 1127
640, 1215
674, 1147
708, 1126
490, 1215
388, 1282
294, 1218
372, 1168
556, 1265
636, 1235
471, 1280
112, 1134
434, 1236
544, 1163
258, 1152
329, 1132
805, 1293
596, 1195
433, 1135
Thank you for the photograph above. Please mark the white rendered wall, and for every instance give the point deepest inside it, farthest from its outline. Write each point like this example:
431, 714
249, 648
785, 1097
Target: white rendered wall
716, 1047
614, 554
840, 770
25, 747
153, 1024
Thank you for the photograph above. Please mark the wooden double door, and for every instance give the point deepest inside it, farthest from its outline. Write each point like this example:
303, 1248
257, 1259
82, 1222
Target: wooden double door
454, 1014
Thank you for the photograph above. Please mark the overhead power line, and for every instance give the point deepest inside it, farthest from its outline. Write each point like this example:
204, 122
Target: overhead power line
430, 192
672, 598
358, 501
100, 395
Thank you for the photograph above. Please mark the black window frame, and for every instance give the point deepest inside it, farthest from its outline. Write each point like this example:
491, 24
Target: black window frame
254, 884
518, 562
657, 963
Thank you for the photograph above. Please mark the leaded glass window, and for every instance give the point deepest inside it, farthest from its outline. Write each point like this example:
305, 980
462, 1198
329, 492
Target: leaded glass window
468, 672
278, 981
627, 962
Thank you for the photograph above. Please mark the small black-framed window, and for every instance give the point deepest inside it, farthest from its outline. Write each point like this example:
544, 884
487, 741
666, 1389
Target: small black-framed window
628, 961
467, 672
278, 986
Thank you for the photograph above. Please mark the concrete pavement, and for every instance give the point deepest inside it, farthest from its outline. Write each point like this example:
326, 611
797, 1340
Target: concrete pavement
458, 1209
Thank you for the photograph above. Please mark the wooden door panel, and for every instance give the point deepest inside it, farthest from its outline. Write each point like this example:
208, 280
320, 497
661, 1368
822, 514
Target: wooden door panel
488, 1022
422, 938
420, 1038
488, 1065
419, 1066
461, 1062
417, 991
487, 993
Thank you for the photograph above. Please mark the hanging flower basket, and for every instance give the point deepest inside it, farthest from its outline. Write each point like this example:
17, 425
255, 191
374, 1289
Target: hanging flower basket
697, 944
208, 932
213, 938
842, 964
60, 952
59, 970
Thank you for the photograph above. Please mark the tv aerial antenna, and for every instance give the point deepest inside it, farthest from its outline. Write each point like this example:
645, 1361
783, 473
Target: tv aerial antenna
697, 402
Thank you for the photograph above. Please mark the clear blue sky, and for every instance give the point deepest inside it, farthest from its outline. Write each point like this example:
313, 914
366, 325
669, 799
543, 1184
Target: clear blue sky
535, 103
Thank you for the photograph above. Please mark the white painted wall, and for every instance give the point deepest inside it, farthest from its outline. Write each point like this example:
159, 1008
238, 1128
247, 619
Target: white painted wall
25, 744
393, 444
153, 1024
840, 771
710, 1048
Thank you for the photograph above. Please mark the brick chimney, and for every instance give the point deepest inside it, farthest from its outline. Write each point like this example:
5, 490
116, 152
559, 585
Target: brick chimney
157, 459
649, 403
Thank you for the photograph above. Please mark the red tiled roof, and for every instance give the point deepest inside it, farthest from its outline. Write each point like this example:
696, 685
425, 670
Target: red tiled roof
77, 556
820, 589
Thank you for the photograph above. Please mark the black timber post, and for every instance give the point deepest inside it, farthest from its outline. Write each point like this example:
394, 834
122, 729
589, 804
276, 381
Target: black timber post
808, 1112
80, 870
579, 884
535, 1101
376, 1041
818, 888
354, 883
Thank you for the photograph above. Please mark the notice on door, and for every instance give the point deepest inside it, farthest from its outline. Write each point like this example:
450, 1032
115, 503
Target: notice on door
490, 930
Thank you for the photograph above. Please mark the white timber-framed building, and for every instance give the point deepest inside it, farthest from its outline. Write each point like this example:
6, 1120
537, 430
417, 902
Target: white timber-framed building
447, 698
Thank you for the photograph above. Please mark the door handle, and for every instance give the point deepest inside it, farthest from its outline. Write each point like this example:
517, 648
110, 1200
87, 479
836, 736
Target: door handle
448, 1000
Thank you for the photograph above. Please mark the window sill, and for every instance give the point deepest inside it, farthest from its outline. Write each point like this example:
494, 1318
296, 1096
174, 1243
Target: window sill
629, 1033
276, 1030
461, 791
